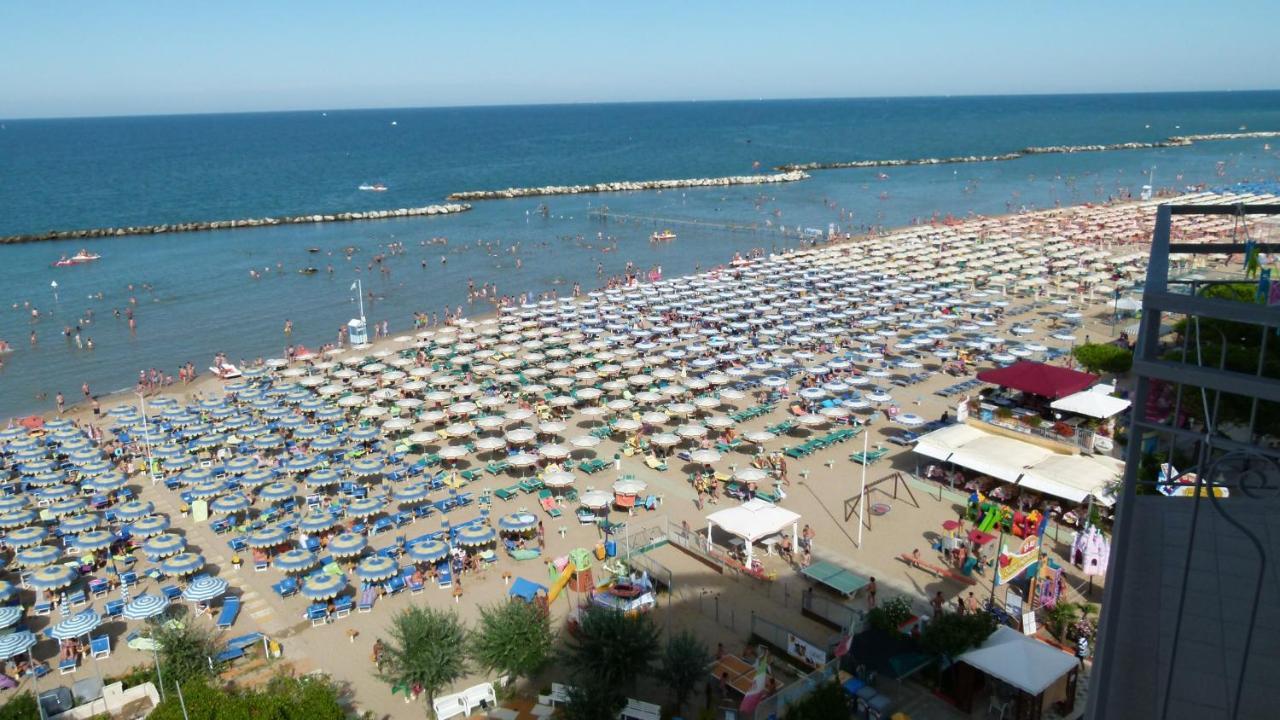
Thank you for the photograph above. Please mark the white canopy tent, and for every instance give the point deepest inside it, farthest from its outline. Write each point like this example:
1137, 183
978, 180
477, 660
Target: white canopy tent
1074, 477
1027, 664
1093, 404
752, 521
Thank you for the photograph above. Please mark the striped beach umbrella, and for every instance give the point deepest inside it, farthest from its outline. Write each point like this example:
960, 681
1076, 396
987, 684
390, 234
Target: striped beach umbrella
164, 545
134, 510
94, 540
295, 561
10, 615
317, 521
228, 504
266, 537
106, 482
322, 477
82, 623
301, 464
176, 463
365, 507
9, 503
40, 471
474, 535
517, 522
256, 477
52, 577
204, 589
54, 493
145, 607
16, 644
18, 518
326, 444
363, 435
277, 492
182, 564
323, 587
376, 568
208, 489
70, 506
347, 545
150, 525
196, 475
94, 467
430, 551
80, 523
38, 555
270, 441
240, 464
411, 493
7, 590
365, 467
26, 536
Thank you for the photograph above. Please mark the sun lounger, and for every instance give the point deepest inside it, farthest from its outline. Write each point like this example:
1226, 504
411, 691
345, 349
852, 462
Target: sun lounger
318, 614
869, 457
230, 611
68, 666
286, 588
367, 598
549, 506
100, 647
342, 606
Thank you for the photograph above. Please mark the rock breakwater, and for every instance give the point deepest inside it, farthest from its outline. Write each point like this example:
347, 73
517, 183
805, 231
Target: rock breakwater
629, 185
1175, 141
445, 209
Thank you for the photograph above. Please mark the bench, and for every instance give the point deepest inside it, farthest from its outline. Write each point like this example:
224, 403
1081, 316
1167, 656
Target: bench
639, 710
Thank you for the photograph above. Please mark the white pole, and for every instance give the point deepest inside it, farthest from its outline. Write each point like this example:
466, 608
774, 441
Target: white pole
360, 297
862, 495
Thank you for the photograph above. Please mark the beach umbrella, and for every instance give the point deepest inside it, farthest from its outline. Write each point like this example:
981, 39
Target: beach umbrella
82, 623
376, 568
347, 544
363, 434
517, 522
413, 492
56, 492
204, 589
474, 535
26, 536
16, 643
366, 467
208, 489
38, 556
182, 564
558, 479
322, 477
295, 560
52, 577
18, 518
150, 525
94, 540
317, 521
430, 551
10, 615
452, 452
365, 507
10, 503
70, 506
7, 590
629, 486
240, 464
585, 442
277, 492
301, 463
595, 499
163, 545
257, 476
910, 419
228, 504
107, 482
705, 456
323, 587
145, 607
271, 536
134, 510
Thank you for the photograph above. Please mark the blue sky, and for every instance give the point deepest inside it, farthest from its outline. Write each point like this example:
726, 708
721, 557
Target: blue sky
143, 57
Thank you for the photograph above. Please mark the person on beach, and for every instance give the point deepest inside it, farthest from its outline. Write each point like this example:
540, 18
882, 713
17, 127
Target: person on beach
871, 594
60, 401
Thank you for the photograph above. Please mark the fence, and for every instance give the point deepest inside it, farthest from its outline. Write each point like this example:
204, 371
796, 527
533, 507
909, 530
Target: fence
833, 612
775, 705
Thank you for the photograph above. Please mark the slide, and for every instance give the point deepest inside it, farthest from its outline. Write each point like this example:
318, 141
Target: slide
560, 582
989, 521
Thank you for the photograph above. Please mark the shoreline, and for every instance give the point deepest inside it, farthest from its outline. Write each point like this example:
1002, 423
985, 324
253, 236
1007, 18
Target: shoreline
1171, 142
97, 233
629, 186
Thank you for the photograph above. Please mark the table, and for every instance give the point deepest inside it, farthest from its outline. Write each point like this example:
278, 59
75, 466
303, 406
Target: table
770, 543
845, 582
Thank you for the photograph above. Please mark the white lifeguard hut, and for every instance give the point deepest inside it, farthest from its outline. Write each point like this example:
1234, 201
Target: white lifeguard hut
358, 328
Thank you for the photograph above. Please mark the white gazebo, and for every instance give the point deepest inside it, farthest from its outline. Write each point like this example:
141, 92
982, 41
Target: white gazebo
752, 521
1034, 668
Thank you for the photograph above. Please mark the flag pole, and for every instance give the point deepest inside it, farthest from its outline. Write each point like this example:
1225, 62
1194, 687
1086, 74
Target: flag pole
862, 494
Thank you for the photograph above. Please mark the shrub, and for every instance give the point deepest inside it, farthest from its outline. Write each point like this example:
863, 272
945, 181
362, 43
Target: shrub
952, 634
1103, 357
890, 615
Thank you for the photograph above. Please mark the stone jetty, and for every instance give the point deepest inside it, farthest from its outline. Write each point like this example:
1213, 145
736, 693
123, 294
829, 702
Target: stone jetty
629, 185
1175, 141
445, 209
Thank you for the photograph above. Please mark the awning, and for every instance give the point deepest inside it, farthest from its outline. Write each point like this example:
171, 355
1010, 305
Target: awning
1025, 663
1074, 477
1093, 404
1039, 378
753, 520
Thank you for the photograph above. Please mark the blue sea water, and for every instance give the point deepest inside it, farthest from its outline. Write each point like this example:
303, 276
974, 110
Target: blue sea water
75, 173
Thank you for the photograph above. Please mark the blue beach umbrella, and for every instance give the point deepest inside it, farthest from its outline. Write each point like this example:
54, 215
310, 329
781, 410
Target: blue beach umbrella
150, 525
291, 421
517, 522
365, 467
208, 488
16, 644
196, 475
328, 443
365, 507
43, 478
70, 506
295, 561
13, 433
411, 493
430, 551
164, 545
277, 492
26, 536
80, 523
134, 510
323, 587
270, 441
36, 468
182, 564
169, 451
330, 413
221, 413
301, 463
347, 544
95, 467
376, 568
56, 492
317, 521
176, 463
267, 537
38, 555
10, 615
322, 477
228, 504
107, 482
145, 607
364, 434
204, 589
211, 403
254, 430
82, 623
257, 476
94, 540
80, 457
308, 432
51, 577
208, 440
9, 503
240, 464
474, 535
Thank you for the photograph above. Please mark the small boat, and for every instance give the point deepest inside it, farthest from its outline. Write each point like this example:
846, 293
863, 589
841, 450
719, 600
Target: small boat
308, 271
313, 249
80, 258
226, 371
375, 187
664, 236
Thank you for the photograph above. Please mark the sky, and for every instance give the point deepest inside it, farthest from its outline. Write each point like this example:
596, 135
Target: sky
155, 57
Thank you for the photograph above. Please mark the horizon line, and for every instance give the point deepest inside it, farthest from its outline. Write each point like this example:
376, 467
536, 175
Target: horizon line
624, 102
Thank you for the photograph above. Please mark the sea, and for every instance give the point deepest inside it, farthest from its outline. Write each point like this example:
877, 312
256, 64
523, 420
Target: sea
193, 294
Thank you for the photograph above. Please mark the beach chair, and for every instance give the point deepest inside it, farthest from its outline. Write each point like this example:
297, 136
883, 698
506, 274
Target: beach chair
368, 596
68, 666
395, 585
230, 610
287, 587
171, 592
114, 609
100, 647
342, 606
318, 614
77, 598
507, 493
444, 578
549, 506
415, 586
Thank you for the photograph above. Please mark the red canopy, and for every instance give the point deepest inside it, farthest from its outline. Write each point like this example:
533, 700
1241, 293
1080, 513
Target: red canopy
1037, 378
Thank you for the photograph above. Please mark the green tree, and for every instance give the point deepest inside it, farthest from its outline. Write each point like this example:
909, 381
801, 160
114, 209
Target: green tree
952, 634
283, 698
611, 646
682, 664
513, 637
593, 699
184, 651
1103, 357
426, 647
20, 707
827, 702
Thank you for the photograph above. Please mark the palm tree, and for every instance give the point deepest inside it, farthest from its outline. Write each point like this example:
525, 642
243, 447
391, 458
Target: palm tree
426, 649
513, 637
682, 665
612, 647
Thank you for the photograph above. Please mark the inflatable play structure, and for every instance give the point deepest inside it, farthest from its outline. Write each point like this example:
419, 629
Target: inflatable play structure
994, 518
